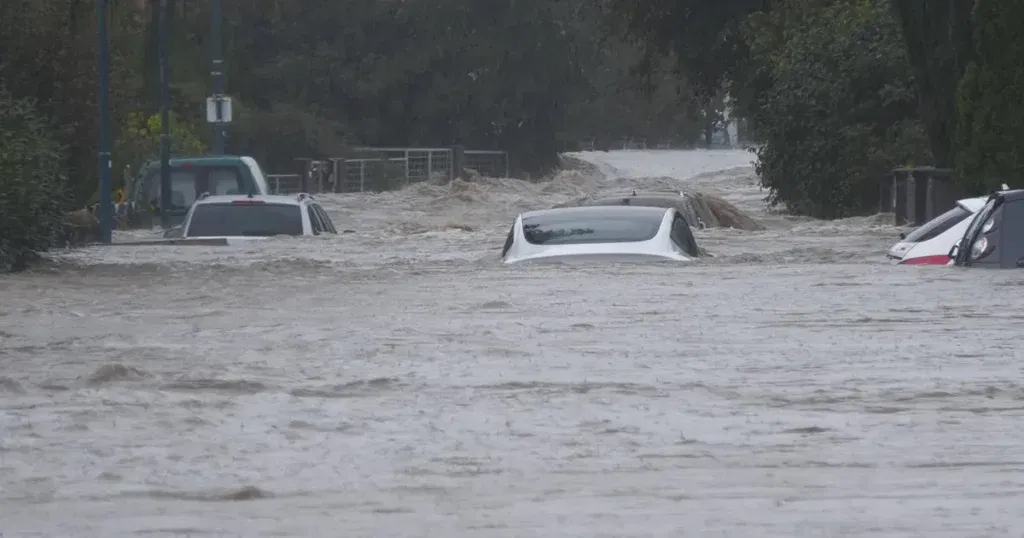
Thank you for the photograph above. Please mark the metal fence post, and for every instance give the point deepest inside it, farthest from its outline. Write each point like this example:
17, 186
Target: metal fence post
430, 164
362, 176
458, 162
406, 166
334, 174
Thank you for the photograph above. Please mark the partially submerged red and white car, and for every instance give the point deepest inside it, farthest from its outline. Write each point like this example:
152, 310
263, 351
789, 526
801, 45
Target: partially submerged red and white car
930, 244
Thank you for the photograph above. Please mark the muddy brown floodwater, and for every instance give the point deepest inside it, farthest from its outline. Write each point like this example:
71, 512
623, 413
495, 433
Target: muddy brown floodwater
399, 381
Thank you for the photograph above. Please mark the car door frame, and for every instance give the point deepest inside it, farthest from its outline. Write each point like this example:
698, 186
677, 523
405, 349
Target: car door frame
962, 254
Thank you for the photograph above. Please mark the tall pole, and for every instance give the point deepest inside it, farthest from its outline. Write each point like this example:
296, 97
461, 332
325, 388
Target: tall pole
217, 72
106, 208
165, 120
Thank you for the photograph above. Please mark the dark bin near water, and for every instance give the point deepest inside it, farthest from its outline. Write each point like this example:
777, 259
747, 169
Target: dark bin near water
917, 195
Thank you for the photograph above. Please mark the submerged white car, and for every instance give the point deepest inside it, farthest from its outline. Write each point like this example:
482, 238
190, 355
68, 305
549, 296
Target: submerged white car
614, 233
237, 218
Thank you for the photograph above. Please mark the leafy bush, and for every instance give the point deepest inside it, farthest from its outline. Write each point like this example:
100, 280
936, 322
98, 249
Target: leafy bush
32, 185
839, 112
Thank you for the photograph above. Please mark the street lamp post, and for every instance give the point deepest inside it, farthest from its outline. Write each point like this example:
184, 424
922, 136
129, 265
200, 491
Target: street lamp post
165, 120
106, 207
217, 72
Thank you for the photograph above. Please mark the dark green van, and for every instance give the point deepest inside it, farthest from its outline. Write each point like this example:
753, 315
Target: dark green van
190, 178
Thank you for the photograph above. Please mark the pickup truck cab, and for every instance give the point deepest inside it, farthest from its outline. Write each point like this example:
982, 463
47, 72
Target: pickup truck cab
191, 177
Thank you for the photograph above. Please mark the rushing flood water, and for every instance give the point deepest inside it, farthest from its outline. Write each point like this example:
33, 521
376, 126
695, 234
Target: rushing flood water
399, 381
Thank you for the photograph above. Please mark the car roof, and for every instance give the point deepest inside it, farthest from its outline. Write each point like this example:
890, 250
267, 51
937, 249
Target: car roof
268, 198
585, 212
198, 161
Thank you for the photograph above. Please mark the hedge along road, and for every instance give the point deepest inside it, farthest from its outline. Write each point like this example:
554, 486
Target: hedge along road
399, 381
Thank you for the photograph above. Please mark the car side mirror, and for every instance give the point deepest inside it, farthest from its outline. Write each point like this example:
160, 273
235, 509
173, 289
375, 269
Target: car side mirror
953, 251
903, 235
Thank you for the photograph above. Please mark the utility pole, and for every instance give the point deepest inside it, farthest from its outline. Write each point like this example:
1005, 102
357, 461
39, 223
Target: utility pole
165, 120
217, 72
106, 207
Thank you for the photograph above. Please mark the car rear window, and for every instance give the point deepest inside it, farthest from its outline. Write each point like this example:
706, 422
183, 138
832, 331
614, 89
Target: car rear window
938, 225
566, 231
245, 219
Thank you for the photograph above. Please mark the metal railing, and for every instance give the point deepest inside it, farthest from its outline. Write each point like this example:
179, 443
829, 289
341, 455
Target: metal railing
371, 169
385, 168
487, 163
284, 183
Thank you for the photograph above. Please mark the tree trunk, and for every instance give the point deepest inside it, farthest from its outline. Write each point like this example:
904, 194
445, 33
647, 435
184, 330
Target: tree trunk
934, 32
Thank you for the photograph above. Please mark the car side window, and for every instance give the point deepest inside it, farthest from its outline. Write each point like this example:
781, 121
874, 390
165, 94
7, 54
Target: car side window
508, 241
326, 219
314, 221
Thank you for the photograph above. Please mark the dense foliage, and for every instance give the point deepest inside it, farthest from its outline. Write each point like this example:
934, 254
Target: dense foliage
31, 184
839, 112
990, 132
312, 78
841, 91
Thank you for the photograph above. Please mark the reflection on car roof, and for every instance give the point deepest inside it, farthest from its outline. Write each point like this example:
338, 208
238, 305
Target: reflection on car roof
588, 212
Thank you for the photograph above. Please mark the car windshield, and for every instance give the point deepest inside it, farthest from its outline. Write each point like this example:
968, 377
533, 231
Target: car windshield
566, 231
183, 188
938, 225
188, 182
245, 219
979, 219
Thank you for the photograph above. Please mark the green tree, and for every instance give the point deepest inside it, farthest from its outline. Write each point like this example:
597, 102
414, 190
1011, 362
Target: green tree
937, 37
840, 111
704, 38
990, 132
139, 139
